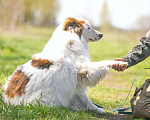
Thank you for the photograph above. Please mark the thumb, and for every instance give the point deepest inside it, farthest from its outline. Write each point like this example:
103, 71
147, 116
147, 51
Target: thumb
148, 34
118, 59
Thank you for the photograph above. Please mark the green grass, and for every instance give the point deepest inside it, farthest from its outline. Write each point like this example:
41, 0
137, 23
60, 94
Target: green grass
18, 47
39, 111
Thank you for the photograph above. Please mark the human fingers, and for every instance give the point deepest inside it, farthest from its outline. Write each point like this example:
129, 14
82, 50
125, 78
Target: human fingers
118, 59
123, 68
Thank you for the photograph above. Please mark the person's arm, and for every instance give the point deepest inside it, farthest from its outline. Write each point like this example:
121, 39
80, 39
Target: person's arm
139, 53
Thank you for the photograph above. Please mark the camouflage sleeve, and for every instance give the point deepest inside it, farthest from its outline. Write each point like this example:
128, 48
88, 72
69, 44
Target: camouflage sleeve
139, 53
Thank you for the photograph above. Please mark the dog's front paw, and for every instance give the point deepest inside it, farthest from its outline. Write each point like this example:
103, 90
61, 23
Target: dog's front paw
101, 111
123, 64
120, 66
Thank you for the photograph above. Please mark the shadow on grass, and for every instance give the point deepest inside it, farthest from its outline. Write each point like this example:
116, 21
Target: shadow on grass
113, 116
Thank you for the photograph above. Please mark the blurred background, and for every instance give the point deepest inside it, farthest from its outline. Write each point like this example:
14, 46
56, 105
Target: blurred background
27, 25
106, 14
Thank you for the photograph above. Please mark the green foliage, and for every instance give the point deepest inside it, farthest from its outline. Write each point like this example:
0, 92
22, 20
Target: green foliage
34, 12
18, 48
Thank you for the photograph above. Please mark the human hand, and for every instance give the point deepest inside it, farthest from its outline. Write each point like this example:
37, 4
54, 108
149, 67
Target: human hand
118, 67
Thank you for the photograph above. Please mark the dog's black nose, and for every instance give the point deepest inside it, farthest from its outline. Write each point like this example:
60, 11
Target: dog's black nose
100, 35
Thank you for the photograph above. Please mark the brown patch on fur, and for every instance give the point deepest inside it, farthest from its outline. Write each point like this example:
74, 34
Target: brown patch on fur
41, 64
72, 24
17, 84
82, 22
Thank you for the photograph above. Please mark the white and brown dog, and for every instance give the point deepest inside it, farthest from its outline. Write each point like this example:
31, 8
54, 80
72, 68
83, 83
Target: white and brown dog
62, 72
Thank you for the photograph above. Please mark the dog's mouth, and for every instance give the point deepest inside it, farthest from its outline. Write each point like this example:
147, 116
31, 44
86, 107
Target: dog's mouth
94, 40
97, 38
91, 40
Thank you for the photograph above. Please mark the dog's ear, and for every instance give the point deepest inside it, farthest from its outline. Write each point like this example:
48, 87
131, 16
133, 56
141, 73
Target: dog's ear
74, 26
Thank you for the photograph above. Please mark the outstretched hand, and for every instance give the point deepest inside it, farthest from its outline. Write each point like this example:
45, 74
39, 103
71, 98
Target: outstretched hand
118, 67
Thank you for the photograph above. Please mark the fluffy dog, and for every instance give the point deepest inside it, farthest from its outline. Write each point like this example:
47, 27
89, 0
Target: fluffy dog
62, 72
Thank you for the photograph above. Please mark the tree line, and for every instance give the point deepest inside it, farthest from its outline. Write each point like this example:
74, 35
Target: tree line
34, 12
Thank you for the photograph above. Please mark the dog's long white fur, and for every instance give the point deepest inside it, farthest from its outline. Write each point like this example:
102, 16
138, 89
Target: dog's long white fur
66, 81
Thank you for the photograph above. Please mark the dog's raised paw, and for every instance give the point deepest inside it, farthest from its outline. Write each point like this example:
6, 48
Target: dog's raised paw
124, 64
121, 63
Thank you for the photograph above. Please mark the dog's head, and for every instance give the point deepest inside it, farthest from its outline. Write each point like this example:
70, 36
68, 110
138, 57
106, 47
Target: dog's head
82, 28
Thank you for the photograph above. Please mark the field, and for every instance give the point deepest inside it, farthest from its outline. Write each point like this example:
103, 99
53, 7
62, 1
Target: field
18, 47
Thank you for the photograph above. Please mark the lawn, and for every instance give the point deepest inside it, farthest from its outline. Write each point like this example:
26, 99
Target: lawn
18, 47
